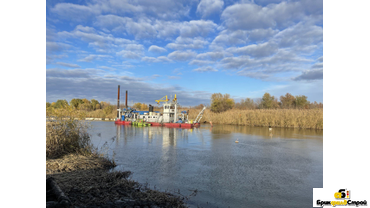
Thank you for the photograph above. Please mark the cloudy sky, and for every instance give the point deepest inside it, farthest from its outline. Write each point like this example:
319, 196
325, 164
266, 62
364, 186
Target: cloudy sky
190, 48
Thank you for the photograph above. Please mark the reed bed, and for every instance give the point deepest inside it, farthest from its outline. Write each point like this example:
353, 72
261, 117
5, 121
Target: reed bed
292, 118
65, 136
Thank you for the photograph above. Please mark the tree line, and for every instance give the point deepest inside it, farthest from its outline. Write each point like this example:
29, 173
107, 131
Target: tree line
82, 104
223, 102
219, 103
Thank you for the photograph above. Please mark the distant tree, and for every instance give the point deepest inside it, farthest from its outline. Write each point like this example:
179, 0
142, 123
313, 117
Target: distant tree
137, 106
220, 103
75, 102
275, 103
61, 104
104, 104
249, 103
108, 109
97, 106
94, 103
245, 104
86, 105
229, 103
48, 104
287, 101
200, 106
86, 101
301, 101
267, 101
144, 106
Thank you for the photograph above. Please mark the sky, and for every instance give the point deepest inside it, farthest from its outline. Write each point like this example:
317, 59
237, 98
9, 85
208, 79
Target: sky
190, 48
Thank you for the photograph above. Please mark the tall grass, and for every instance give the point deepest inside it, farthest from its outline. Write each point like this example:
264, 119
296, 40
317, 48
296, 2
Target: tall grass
67, 135
293, 118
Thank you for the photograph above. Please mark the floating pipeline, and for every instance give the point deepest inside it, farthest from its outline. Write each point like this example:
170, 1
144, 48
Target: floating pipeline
170, 125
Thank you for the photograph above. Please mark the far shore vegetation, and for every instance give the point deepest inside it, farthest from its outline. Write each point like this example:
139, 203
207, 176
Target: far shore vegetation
287, 111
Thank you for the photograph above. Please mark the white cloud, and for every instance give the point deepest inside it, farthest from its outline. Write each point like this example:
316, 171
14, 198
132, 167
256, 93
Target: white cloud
182, 55
201, 62
254, 74
314, 74
205, 69
227, 37
261, 34
256, 50
93, 57
107, 67
68, 65
143, 27
250, 16
132, 51
164, 9
173, 77
156, 49
213, 55
299, 35
74, 12
52, 47
98, 41
184, 43
155, 60
195, 28
208, 7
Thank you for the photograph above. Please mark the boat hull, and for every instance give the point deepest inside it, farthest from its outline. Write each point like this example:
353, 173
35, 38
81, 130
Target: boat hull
174, 125
187, 125
123, 122
155, 124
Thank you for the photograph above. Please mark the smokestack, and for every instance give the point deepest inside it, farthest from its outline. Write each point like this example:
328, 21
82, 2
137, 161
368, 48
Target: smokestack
118, 102
126, 99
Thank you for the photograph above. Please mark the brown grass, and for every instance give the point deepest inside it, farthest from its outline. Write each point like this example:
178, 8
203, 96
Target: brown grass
292, 118
64, 136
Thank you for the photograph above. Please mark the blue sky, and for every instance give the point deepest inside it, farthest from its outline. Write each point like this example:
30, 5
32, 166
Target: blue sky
188, 48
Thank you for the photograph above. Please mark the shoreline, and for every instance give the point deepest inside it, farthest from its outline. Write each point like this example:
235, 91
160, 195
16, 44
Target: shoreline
206, 122
87, 182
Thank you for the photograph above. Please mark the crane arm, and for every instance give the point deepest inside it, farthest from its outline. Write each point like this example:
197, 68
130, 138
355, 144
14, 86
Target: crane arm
200, 115
162, 100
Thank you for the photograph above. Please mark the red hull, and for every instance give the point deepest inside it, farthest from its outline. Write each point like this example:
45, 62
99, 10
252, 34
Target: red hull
187, 125
155, 124
123, 122
172, 124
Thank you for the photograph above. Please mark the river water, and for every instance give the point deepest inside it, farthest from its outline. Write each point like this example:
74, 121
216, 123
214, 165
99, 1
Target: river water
275, 168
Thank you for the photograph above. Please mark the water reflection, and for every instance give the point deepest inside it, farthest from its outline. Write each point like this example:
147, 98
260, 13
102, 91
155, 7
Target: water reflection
264, 132
261, 170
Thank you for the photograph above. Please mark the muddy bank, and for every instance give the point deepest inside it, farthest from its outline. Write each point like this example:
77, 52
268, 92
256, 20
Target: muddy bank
87, 182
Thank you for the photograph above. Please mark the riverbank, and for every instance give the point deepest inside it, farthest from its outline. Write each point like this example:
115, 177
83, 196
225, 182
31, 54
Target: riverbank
82, 177
87, 182
285, 118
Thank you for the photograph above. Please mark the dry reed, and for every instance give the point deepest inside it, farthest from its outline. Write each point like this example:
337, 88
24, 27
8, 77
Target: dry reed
293, 118
66, 135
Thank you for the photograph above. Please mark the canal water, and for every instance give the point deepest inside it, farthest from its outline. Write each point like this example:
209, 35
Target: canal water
265, 168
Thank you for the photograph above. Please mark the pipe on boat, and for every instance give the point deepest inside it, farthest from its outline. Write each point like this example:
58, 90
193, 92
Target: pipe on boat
118, 102
126, 99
